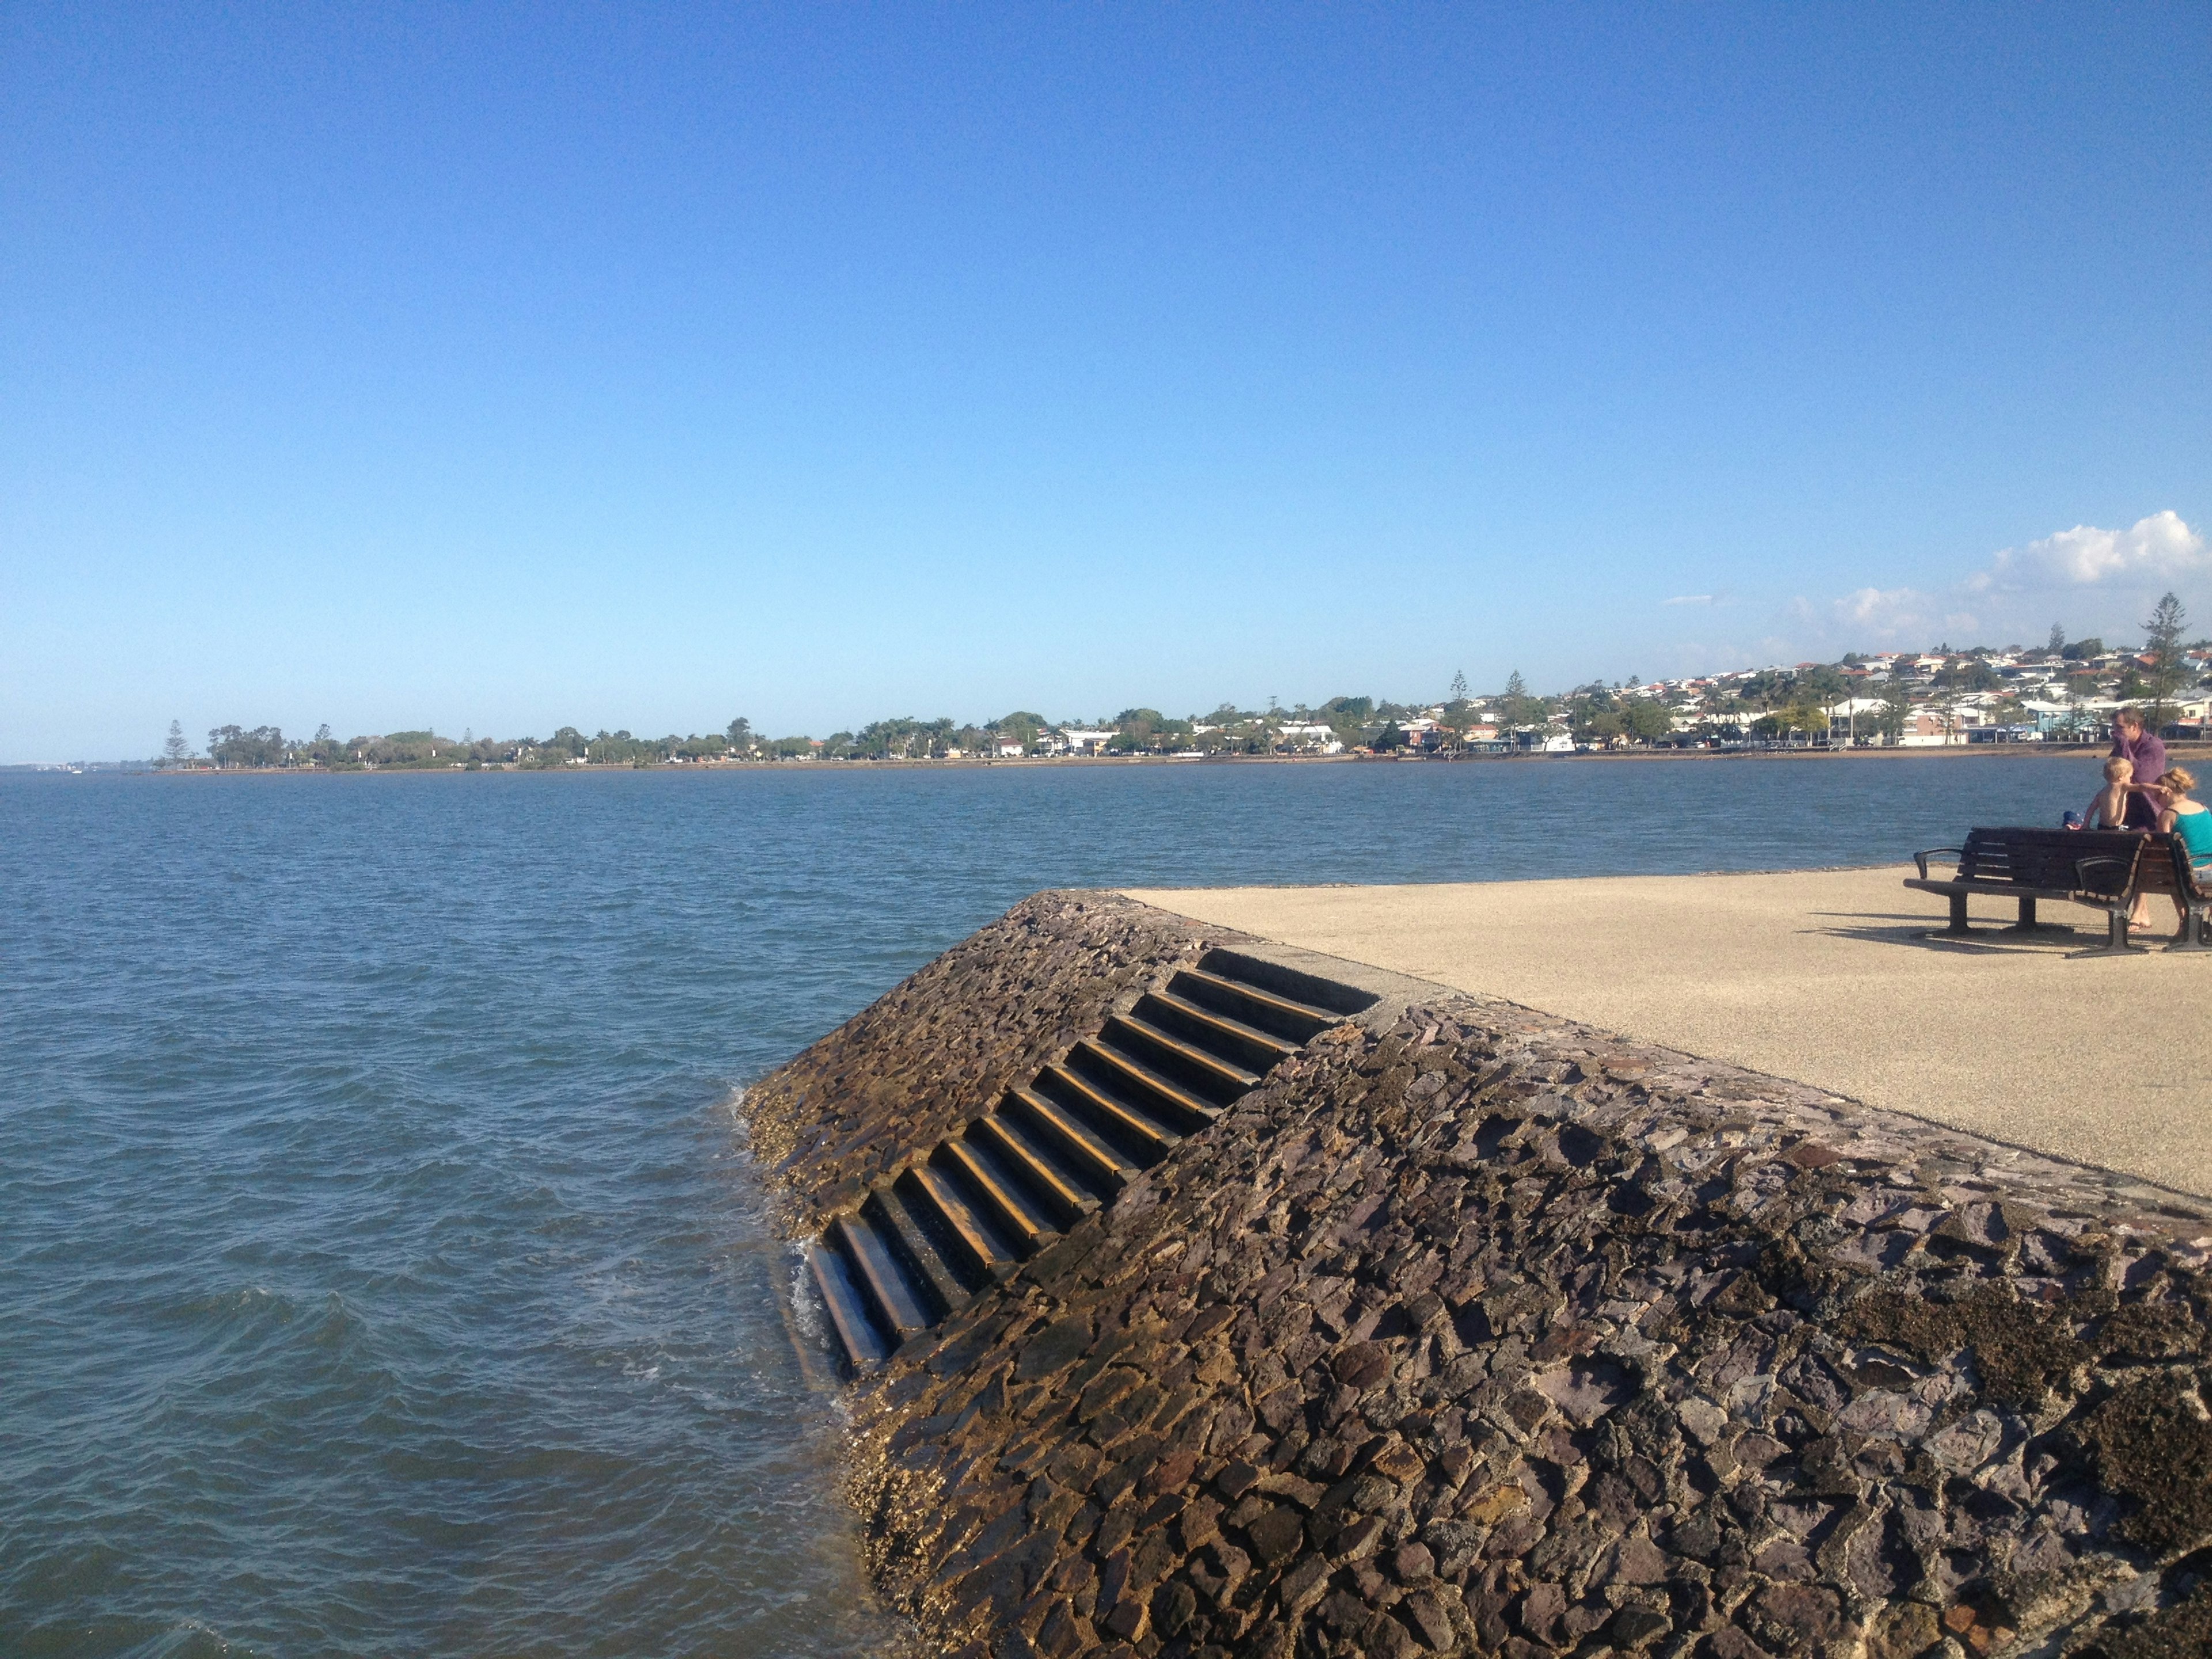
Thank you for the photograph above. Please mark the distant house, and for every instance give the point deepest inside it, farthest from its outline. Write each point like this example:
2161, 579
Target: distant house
1927, 728
1856, 718
1310, 737
1086, 743
1543, 743
1007, 748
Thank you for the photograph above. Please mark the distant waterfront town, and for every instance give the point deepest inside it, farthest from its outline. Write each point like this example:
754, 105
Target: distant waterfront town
2062, 693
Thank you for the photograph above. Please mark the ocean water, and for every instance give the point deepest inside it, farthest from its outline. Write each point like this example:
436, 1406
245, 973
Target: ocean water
381, 1268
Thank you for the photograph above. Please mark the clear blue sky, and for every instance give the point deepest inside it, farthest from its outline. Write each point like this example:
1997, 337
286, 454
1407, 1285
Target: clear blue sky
642, 365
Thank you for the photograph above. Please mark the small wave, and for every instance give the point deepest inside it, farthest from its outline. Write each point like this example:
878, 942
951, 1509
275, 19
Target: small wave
188, 1639
731, 1110
806, 1310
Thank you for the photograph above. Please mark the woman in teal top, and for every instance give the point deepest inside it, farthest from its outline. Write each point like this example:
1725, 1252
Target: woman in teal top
2189, 821
2183, 817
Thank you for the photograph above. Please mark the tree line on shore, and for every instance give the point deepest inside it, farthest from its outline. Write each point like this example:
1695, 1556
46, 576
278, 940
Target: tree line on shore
1763, 703
1227, 730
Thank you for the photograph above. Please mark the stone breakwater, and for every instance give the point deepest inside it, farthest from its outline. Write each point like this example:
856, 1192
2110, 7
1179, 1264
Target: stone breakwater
1472, 1330
944, 1042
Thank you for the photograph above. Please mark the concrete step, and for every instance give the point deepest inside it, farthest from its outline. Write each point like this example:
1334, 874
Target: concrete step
849, 1323
892, 1305
999, 1192
1060, 1191
1108, 1060
936, 1281
976, 1248
1196, 1065
1266, 1011
1135, 1131
1232, 1039
1071, 1143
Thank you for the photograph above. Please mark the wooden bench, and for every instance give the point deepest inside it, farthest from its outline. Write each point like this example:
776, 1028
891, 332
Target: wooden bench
2166, 870
2101, 867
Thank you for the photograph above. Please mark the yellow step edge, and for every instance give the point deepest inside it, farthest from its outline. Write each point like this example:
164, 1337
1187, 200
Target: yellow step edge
956, 1215
1267, 998
1157, 1134
892, 1298
858, 1338
1232, 1028
1227, 1071
1021, 1214
1143, 1076
1086, 1143
1008, 1141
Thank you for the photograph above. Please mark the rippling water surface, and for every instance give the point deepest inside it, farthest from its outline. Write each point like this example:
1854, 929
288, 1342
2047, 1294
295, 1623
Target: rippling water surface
382, 1270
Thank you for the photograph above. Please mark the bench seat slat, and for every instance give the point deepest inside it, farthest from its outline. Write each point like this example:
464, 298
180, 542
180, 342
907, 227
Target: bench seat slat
1993, 889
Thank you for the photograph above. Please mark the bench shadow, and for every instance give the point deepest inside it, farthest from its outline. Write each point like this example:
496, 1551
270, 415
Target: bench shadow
1922, 931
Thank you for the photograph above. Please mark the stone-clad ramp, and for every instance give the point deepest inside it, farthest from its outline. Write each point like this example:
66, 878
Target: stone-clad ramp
966, 1214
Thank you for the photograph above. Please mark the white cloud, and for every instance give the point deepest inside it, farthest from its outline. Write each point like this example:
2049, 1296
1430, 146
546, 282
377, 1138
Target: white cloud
2160, 548
1881, 607
2090, 579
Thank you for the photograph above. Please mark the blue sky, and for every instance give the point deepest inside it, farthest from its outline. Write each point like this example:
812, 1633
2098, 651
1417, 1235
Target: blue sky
505, 367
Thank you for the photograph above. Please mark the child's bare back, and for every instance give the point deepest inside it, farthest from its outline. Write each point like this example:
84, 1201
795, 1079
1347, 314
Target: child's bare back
2108, 807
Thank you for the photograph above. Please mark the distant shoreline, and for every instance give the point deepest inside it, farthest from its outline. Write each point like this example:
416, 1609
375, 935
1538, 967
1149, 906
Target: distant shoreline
1047, 763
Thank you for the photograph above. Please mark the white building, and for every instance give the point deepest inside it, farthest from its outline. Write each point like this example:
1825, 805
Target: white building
1321, 738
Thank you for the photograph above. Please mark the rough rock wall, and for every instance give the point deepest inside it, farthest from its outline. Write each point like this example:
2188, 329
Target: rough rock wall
1485, 1333
937, 1048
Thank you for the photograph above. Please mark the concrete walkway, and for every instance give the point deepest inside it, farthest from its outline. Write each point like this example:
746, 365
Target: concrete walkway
1826, 976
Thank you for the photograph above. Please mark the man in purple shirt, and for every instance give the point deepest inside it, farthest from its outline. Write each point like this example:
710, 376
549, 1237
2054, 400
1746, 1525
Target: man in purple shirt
2133, 741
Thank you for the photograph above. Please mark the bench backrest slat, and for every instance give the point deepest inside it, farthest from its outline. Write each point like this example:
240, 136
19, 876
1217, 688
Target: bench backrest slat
2166, 868
2051, 858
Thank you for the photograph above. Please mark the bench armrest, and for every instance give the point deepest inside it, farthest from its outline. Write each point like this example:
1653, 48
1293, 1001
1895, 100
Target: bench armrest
1955, 854
2082, 867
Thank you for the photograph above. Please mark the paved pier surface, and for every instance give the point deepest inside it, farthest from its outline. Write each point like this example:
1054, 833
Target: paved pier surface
1826, 976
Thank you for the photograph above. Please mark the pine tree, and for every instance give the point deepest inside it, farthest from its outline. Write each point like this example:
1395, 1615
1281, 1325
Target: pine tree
175, 751
2162, 645
2057, 638
1458, 687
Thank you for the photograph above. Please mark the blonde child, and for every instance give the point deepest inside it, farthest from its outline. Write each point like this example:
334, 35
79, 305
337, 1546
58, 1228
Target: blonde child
2108, 807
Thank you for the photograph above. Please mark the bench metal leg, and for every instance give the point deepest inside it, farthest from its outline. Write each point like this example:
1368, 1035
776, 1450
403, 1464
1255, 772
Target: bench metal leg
1958, 914
2194, 927
2028, 924
2116, 936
